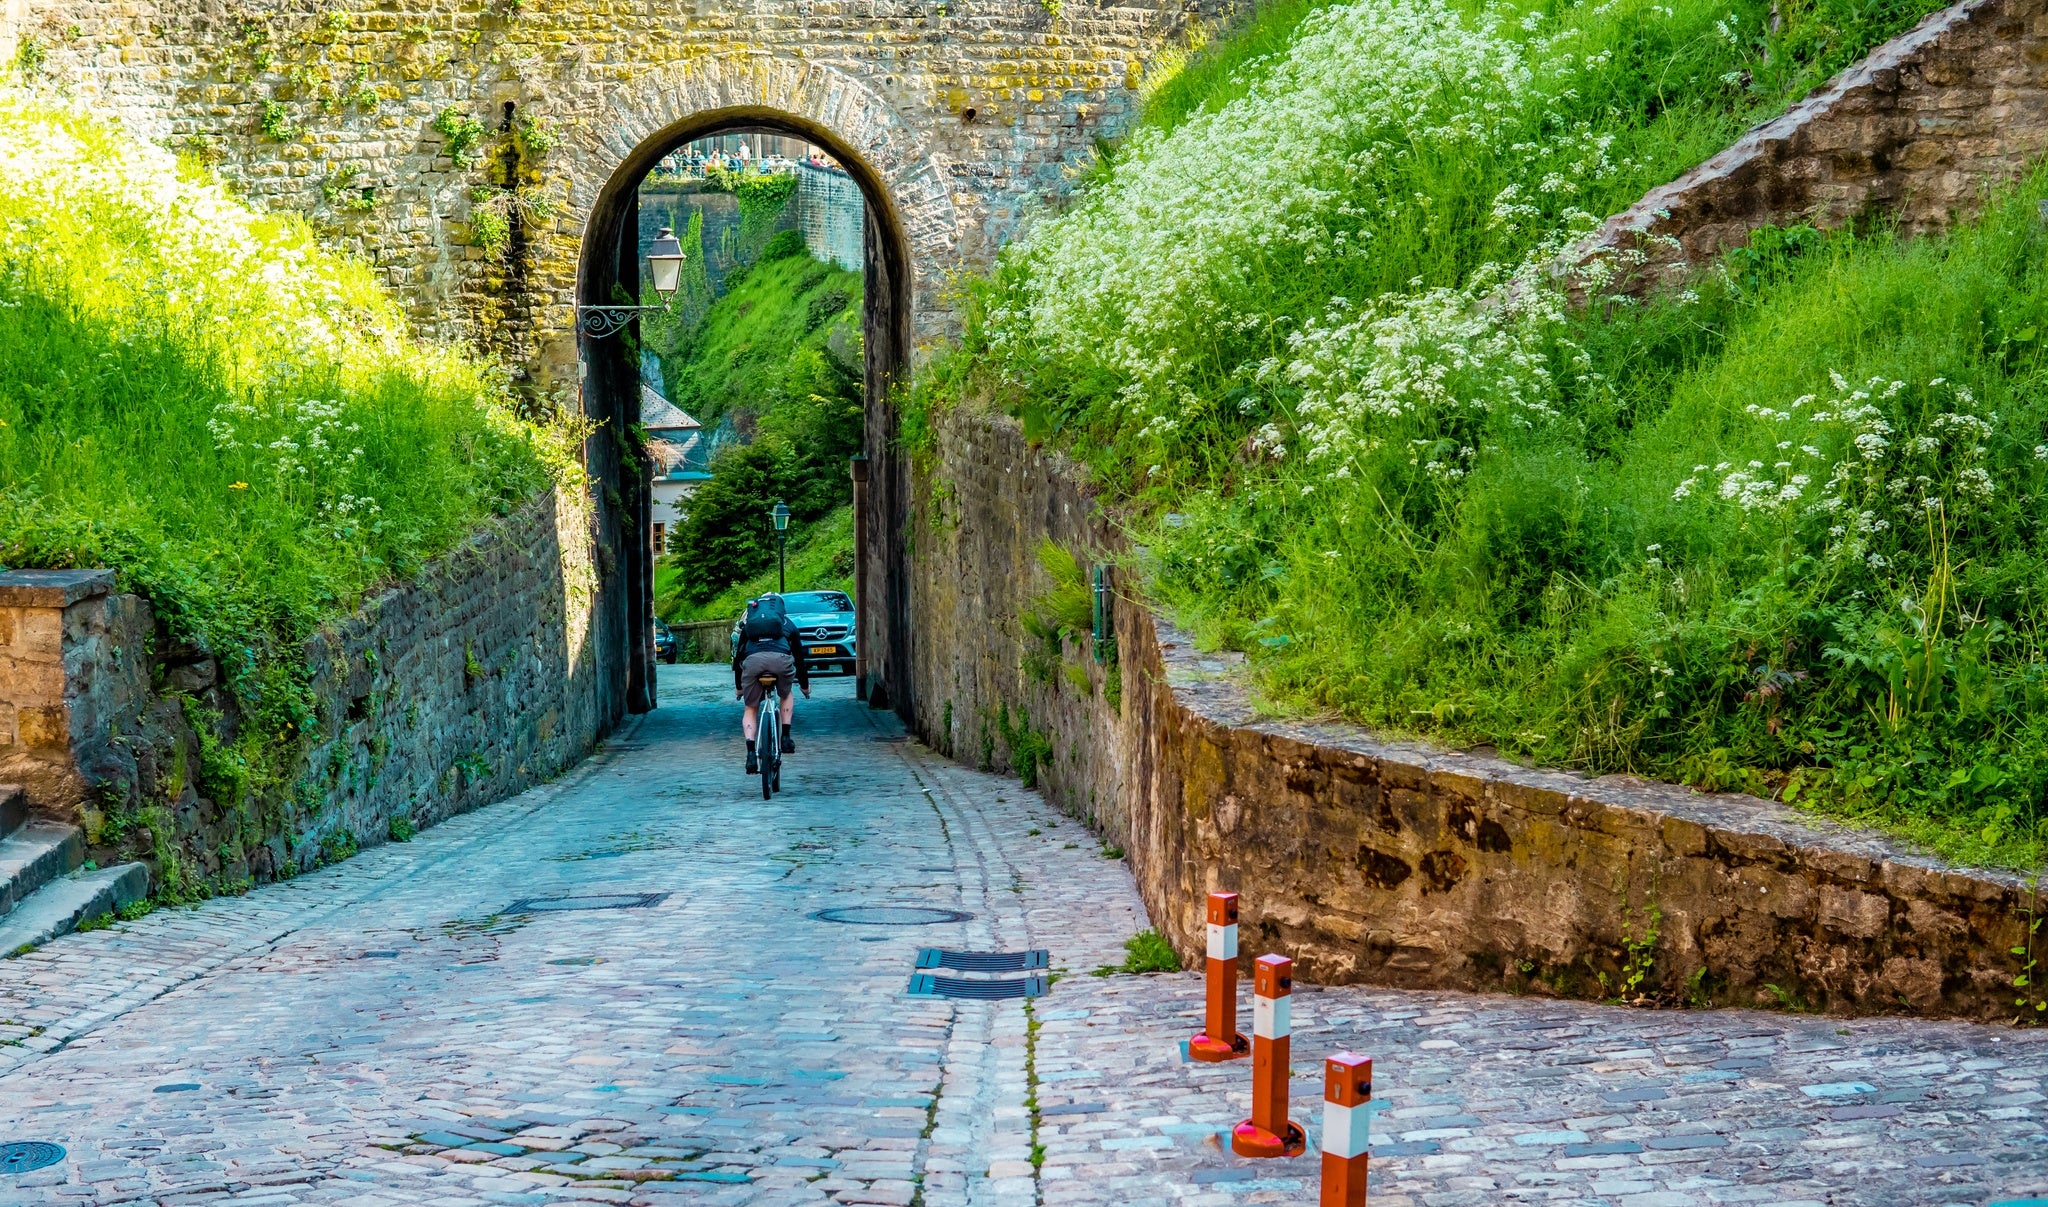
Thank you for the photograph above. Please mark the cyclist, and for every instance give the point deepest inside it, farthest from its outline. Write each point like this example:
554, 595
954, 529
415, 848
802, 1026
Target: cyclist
767, 645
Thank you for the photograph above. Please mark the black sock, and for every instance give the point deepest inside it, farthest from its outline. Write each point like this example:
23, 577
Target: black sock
750, 745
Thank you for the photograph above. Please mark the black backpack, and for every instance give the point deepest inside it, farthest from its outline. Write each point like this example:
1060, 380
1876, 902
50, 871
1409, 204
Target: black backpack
765, 618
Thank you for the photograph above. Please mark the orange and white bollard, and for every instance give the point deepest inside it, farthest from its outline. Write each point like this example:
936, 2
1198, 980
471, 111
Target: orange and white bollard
1347, 1128
1268, 1133
1219, 1039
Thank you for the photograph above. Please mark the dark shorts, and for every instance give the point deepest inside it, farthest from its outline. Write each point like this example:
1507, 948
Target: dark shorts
766, 662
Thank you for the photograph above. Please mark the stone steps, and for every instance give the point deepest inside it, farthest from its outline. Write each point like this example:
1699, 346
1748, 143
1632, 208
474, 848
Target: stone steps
43, 893
59, 907
34, 852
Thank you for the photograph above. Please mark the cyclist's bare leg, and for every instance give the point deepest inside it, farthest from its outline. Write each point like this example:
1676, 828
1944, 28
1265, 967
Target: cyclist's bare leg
788, 710
750, 721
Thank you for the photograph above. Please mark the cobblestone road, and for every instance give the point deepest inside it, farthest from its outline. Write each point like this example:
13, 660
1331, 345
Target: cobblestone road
413, 1026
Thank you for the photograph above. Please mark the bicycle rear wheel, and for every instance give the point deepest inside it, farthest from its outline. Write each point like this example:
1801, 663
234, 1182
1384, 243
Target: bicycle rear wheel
769, 748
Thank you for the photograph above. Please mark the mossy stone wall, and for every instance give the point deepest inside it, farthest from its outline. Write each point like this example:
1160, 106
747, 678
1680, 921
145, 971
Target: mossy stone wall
1394, 863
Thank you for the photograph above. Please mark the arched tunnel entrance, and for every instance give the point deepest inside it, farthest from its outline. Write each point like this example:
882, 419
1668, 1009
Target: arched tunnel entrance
609, 272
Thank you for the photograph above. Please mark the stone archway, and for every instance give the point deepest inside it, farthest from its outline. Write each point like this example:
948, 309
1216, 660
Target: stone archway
911, 233
962, 118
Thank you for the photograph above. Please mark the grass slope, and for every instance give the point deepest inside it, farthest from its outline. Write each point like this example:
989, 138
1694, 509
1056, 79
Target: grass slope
782, 354
784, 309
197, 396
1779, 533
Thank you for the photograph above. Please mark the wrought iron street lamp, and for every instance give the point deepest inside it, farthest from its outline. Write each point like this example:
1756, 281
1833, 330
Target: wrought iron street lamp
664, 266
781, 516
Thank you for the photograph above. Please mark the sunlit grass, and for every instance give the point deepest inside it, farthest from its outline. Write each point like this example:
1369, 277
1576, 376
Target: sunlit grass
235, 421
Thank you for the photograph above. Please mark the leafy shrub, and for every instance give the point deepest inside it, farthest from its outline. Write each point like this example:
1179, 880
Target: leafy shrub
536, 135
277, 123
820, 559
1146, 951
462, 134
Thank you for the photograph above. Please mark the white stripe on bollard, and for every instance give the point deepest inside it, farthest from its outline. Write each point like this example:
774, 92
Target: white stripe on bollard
1222, 942
1347, 1130
1272, 1017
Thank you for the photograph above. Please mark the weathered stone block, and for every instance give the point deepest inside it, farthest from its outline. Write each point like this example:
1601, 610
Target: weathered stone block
53, 589
1858, 914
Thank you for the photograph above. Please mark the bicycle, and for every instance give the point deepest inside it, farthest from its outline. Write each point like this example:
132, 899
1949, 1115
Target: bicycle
768, 742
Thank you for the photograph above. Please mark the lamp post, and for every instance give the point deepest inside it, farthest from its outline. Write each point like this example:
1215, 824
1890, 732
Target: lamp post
664, 265
781, 515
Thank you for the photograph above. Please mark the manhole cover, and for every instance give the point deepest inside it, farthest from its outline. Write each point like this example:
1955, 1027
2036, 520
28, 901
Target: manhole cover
984, 961
549, 905
20, 1156
926, 985
890, 915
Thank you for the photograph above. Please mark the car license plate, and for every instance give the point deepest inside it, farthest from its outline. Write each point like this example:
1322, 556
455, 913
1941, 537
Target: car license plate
824, 649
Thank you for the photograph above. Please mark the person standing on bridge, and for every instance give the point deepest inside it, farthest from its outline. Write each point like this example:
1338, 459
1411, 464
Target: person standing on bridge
768, 645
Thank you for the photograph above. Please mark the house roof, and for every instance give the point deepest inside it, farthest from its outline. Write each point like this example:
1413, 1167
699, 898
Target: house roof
658, 414
667, 454
684, 458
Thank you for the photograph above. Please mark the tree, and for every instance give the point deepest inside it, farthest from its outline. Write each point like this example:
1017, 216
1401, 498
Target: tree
725, 534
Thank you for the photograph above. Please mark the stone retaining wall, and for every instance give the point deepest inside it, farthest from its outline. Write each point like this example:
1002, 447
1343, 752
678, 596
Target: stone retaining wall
475, 681
1916, 132
1391, 863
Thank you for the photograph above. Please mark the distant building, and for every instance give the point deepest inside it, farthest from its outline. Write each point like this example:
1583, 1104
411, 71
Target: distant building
830, 212
681, 458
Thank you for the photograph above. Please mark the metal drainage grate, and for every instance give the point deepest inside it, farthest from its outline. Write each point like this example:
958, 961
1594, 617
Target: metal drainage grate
984, 961
924, 984
890, 915
20, 1156
556, 905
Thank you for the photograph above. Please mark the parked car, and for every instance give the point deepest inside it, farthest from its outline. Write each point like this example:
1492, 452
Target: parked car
664, 642
824, 622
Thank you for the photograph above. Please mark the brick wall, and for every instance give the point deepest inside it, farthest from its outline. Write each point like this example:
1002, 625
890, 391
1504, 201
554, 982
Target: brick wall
1393, 863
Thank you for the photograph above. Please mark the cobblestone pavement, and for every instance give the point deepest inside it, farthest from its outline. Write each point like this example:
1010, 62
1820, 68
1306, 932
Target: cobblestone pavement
414, 1026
